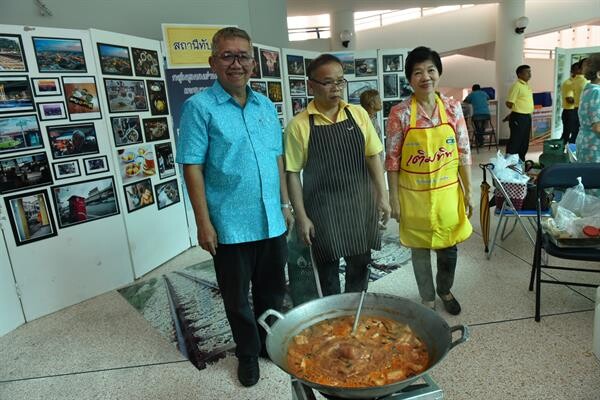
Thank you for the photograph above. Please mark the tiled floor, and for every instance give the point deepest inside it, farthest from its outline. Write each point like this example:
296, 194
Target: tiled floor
103, 349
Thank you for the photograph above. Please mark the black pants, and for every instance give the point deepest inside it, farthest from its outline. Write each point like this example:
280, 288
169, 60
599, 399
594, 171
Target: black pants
479, 122
262, 263
356, 273
570, 121
520, 130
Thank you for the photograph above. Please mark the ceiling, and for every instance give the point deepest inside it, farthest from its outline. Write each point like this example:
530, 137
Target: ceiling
316, 7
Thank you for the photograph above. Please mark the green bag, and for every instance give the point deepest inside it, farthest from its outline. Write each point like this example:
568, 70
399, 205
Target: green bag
554, 153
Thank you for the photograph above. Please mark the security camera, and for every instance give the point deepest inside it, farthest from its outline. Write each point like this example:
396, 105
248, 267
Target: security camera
345, 37
521, 24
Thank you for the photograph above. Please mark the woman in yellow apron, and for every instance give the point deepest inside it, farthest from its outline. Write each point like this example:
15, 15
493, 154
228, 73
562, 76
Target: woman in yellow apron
429, 176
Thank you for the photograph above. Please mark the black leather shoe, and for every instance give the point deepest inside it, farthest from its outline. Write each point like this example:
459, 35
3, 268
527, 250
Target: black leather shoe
452, 305
248, 372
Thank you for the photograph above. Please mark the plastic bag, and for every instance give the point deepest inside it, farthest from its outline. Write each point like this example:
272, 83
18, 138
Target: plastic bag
574, 198
509, 169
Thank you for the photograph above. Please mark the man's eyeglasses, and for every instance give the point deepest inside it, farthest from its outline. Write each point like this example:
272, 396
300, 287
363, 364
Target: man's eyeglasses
331, 84
243, 59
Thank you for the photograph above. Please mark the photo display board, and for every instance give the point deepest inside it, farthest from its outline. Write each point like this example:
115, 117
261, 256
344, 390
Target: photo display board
142, 146
60, 211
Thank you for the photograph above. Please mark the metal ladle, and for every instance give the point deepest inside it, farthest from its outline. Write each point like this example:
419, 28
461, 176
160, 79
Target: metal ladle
360, 303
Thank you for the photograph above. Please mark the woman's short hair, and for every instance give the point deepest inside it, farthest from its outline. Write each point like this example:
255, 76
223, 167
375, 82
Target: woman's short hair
320, 61
368, 97
421, 54
592, 67
229, 32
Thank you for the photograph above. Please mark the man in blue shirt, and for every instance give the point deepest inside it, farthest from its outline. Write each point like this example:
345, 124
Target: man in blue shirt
481, 111
230, 143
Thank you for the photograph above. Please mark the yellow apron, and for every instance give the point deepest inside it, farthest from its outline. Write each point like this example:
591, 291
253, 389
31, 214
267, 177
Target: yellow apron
432, 206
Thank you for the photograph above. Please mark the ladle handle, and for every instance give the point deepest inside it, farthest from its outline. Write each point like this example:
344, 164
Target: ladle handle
362, 299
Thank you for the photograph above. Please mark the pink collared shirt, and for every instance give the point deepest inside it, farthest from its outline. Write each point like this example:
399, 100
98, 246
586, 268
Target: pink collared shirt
399, 121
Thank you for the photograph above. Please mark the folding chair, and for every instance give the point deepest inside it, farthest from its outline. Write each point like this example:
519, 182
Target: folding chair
508, 210
489, 133
561, 176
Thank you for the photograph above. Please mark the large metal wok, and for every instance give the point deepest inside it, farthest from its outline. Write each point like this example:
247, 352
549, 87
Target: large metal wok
425, 323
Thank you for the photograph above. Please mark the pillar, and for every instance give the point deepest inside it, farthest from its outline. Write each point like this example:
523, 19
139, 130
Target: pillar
508, 55
342, 21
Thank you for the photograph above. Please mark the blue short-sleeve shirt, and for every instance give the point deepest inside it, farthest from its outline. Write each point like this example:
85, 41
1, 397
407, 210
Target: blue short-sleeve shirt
239, 148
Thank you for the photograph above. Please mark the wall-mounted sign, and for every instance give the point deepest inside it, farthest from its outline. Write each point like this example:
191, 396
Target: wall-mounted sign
188, 46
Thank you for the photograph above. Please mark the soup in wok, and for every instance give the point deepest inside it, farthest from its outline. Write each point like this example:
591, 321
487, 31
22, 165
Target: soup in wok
381, 352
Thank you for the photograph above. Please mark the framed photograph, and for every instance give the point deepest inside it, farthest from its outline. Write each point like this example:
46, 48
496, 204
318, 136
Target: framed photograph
114, 60
307, 62
24, 172
390, 85
20, 133
270, 63
46, 87
167, 193
82, 97
158, 97
356, 88
274, 90
59, 54
347, 60
405, 88
13, 56
295, 65
72, 140
279, 108
95, 165
393, 63
298, 105
165, 160
387, 106
15, 94
259, 86
145, 62
52, 110
30, 217
156, 129
365, 67
136, 162
139, 195
297, 87
66, 169
256, 70
126, 130
125, 95
81, 202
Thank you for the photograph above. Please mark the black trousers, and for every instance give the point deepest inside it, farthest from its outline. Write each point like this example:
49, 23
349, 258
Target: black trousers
520, 130
262, 263
356, 273
570, 121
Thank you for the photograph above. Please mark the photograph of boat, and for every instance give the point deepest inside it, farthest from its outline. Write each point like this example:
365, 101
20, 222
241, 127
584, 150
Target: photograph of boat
15, 94
12, 58
114, 60
20, 133
59, 54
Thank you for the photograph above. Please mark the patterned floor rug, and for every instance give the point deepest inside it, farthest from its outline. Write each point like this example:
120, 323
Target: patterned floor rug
194, 288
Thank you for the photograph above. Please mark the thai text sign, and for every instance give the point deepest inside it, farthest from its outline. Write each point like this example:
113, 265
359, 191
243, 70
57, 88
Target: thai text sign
188, 46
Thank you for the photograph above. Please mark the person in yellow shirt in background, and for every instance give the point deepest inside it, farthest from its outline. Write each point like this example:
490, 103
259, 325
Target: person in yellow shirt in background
570, 92
342, 193
520, 103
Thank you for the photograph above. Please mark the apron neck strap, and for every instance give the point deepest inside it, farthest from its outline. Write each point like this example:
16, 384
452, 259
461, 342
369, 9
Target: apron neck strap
413, 111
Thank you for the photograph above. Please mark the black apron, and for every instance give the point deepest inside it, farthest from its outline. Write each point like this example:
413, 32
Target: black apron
338, 192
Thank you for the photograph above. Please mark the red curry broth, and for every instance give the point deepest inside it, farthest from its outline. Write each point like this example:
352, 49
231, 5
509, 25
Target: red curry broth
382, 351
